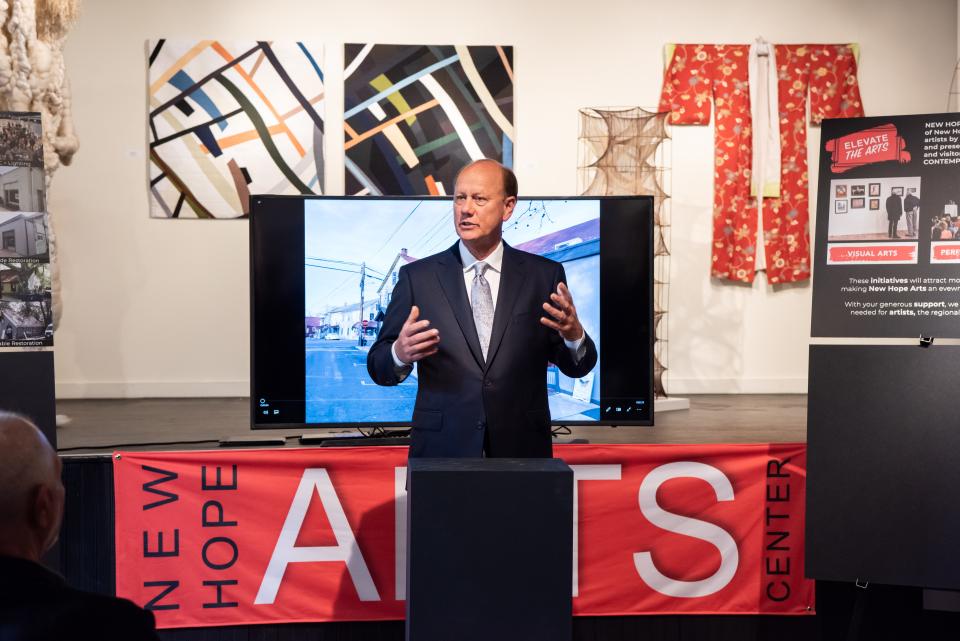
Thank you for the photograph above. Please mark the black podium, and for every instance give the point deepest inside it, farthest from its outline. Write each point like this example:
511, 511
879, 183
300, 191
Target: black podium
489, 551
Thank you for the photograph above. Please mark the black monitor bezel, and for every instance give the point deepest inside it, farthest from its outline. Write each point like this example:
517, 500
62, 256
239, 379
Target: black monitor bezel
258, 202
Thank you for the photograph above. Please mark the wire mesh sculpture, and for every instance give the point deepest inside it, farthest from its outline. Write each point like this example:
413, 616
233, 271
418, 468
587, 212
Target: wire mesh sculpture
625, 151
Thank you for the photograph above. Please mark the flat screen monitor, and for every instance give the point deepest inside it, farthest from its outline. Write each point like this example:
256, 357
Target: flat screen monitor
323, 270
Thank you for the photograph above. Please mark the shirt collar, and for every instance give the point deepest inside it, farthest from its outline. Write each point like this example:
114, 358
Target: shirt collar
494, 260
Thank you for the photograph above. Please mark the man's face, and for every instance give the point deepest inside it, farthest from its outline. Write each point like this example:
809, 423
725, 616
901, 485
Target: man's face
480, 206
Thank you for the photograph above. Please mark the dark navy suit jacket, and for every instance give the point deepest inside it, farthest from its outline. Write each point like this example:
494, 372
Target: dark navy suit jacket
462, 400
38, 605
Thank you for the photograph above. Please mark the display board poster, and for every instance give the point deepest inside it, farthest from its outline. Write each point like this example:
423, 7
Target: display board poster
26, 311
887, 245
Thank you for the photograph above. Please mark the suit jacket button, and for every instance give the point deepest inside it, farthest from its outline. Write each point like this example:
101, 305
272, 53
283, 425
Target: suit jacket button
480, 425
487, 383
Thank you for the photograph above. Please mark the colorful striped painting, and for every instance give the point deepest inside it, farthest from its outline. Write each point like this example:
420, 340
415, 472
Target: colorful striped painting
414, 115
230, 119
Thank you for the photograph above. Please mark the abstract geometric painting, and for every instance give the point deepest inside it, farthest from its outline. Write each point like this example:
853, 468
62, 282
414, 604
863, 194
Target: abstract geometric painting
230, 119
414, 115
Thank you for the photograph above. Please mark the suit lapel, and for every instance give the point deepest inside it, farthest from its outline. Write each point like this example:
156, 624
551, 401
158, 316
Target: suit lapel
511, 282
450, 274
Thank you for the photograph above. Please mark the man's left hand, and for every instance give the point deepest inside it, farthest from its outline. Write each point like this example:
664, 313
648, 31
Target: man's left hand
564, 314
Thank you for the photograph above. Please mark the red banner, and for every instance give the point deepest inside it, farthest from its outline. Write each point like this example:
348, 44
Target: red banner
877, 144
264, 536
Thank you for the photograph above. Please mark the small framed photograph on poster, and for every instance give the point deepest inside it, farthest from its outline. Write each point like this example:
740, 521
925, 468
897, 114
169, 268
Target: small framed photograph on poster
897, 191
874, 204
858, 190
874, 189
840, 206
911, 190
841, 191
857, 203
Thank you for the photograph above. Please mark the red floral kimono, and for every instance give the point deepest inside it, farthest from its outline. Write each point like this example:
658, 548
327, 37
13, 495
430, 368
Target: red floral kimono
699, 75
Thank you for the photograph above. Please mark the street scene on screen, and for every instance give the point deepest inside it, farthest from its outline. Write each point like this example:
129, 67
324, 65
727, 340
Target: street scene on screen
354, 249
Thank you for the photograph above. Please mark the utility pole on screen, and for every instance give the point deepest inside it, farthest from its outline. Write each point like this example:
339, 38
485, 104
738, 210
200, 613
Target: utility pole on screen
363, 276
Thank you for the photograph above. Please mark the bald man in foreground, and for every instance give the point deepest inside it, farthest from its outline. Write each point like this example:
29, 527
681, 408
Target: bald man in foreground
35, 603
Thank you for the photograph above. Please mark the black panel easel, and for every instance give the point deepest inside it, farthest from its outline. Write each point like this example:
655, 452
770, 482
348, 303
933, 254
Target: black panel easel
27, 387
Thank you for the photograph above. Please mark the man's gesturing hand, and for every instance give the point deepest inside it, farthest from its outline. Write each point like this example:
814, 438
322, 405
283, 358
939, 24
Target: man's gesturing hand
416, 340
564, 314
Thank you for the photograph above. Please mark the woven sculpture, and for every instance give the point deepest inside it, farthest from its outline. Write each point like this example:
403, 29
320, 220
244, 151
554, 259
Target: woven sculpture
624, 152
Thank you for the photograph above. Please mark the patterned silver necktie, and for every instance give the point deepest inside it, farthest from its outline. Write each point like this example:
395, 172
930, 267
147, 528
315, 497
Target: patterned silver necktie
482, 302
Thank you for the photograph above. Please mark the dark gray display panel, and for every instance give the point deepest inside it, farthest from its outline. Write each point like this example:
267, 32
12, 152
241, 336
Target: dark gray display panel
883, 433
27, 387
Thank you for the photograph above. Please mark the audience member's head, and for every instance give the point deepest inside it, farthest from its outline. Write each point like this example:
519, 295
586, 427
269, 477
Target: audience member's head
31, 493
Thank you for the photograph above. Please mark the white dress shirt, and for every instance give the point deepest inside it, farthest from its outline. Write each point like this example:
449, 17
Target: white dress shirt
494, 266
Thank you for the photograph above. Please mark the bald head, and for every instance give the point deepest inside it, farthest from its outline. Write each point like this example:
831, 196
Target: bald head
508, 179
31, 494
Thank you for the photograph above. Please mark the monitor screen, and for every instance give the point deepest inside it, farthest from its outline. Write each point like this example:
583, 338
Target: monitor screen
322, 275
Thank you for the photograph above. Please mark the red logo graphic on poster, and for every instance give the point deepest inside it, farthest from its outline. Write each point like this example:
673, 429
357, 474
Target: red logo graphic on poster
231, 538
877, 144
872, 253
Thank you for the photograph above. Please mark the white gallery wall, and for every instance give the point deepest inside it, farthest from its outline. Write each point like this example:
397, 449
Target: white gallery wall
160, 307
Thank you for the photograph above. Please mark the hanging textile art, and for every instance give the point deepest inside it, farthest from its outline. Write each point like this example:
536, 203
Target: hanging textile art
703, 77
230, 119
415, 115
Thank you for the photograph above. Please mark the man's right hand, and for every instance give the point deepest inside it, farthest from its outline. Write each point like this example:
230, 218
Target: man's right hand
416, 340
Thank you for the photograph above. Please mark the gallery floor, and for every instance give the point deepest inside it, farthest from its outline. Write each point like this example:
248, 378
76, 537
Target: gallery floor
103, 425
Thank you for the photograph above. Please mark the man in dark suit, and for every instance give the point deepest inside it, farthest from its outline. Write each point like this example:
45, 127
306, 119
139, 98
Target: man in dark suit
35, 603
894, 207
481, 321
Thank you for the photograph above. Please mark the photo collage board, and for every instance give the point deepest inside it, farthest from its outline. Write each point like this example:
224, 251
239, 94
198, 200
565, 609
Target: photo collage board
26, 309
